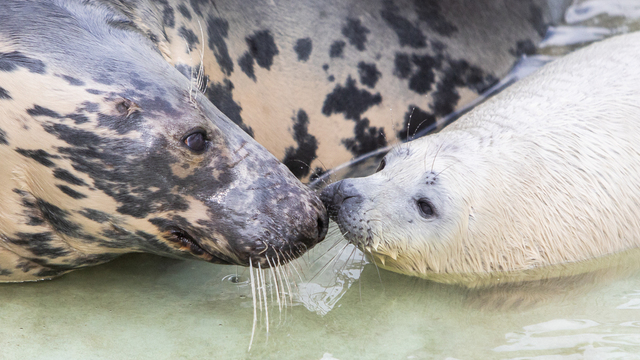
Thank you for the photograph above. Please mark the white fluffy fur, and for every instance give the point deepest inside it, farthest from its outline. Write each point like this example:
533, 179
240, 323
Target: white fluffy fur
545, 173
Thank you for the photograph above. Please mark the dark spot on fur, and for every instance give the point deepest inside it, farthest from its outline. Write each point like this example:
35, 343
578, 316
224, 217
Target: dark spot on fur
184, 11
39, 155
263, 48
95, 215
195, 5
64, 175
78, 118
15, 59
135, 172
337, 49
103, 77
220, 94
3, 138
402, 66
4, 94
137, 81
355, 33
184, 69
424, 78
430, 13
42, 111
298, 159
349, 100
69, 191
5, 272
524, 47
369, 74
246, 65
91, 107
190, 37
39, 244
303, 49
331, 78
121, 124
168, 16
34, 221
73, 81
415, 120
218, 30
367, 138
20, 192
57, 218
459, 74
325, 67
47, 273
408, 34
94, 91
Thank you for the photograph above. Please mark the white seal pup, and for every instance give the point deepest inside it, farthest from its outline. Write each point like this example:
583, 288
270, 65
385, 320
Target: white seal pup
546, 173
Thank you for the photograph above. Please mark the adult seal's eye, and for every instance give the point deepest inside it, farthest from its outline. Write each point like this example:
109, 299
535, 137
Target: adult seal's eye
381, 166
196, 142
426, 208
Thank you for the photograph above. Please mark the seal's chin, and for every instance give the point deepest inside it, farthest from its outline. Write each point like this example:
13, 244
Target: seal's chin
186, 242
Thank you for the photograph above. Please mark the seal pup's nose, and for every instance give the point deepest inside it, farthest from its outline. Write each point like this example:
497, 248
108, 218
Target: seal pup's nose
334, 195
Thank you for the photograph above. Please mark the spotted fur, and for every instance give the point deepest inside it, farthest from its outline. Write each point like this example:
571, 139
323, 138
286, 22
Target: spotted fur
366, 74
93, 157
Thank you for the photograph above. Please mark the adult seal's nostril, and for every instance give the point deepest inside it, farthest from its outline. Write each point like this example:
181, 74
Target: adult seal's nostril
323, 224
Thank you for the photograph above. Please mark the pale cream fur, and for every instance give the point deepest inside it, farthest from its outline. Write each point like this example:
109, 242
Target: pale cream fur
545, 173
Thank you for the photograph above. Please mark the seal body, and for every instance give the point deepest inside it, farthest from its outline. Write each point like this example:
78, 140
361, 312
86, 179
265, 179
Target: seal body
545, 173
320, 82
105, 148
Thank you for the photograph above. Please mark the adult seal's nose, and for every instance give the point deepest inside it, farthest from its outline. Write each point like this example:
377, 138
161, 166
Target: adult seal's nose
315, 228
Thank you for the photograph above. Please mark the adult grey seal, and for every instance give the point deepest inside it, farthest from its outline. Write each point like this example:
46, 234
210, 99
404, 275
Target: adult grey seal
320, 82
105, 149
545, 174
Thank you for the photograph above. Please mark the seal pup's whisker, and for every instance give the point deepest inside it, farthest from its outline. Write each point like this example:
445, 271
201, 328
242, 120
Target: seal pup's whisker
336, 242
373, 259
441, 171
434, 157
360, 277
255, 310
333, 259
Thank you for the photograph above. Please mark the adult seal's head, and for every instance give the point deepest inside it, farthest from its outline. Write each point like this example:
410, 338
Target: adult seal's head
546, 173
105, 149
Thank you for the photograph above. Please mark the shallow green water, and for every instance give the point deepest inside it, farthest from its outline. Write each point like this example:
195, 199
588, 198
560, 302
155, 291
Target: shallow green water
146, 307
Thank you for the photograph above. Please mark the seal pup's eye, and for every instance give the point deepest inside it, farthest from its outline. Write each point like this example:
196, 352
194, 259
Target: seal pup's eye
426, 208
196, 141
381, 166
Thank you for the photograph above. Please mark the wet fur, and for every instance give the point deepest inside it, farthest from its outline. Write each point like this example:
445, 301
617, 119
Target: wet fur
92, 156
545, 173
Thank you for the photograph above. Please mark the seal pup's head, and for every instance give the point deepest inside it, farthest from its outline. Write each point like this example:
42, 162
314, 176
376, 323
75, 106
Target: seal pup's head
413, 213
